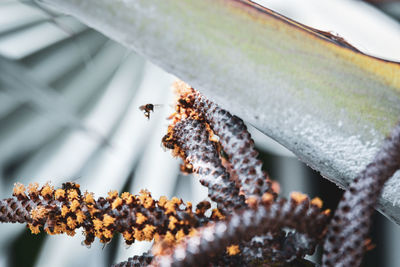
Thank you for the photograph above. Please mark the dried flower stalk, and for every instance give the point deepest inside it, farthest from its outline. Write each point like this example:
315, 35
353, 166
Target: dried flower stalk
137, 261
190, 139
298, 213
243, 165
136, 217
234, 138
346, 240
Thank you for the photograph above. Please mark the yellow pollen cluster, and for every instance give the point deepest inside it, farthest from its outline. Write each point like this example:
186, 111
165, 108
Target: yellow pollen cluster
88, 198
172, 222
98, 224
80, 217
233, 250
169, 238
148, 232
162, 201
34, 229
116, 203
103, 217
180, 235
64, 210
298, 197
33, 188
267, 198
140, 218
19, 190
60, 193
57, 229
171, 205
128, 198
71, 223
317, 202
47, 190
216, 213
112, 194
73, 194
38, 213
139, 235
145, 199
252, 201
108, 220
75, 205
127, 235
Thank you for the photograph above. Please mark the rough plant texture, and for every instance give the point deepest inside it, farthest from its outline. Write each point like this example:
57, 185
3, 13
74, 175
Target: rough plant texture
281, 247
136, 217
136, 261
244, 167
297, 213
346, 239
234, 138
192, 138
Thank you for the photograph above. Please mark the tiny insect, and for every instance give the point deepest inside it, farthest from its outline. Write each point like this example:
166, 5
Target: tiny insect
147, 109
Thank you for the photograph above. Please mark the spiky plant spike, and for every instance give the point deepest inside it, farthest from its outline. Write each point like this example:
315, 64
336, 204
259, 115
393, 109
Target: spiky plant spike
348, 231
298, 213
235, 140
191, 140
136, 217
246, 169
281, 247
225, 260
136, 261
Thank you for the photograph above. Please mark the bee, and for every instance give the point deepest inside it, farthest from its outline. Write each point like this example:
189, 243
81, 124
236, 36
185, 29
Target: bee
147, 109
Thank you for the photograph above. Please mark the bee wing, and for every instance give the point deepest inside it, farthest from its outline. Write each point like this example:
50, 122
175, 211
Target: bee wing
142, 108
157, 105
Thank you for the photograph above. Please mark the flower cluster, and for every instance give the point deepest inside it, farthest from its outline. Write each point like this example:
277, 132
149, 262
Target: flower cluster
137, 217
232, 137
298, 213
252, 224
217, 147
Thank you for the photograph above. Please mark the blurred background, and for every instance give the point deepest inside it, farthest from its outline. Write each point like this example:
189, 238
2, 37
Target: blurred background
69, 101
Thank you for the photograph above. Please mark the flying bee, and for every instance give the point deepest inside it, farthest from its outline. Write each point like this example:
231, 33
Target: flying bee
147, 109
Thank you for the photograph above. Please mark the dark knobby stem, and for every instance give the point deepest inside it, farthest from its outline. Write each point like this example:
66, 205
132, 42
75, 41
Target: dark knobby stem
136, 261
192, 141
235, 140
137, 217
225, 260
14, 211
348, 230
298, 213
280, 248
237, 143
